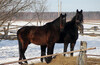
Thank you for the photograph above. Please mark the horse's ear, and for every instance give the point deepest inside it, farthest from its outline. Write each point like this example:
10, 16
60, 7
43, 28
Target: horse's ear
65, 14
61, 14
81, 11
77, 11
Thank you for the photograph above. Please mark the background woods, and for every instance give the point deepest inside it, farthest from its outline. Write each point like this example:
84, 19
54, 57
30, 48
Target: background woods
52, 15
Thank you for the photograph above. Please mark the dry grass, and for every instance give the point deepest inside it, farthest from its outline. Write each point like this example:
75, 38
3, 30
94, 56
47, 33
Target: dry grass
1, 34
61, 60
93, 61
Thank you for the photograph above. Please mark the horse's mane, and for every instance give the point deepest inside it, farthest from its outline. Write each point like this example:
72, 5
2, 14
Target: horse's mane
73, 19
55, 19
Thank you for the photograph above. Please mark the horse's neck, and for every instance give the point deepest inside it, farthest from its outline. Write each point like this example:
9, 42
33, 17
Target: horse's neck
73, 22
56, 23
73, 19
56, 20
56, 26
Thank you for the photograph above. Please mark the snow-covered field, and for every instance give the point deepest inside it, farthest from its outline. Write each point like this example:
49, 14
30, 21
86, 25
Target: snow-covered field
9, 48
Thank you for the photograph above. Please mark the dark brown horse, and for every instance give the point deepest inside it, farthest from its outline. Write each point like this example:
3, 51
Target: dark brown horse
70, 33
45, 35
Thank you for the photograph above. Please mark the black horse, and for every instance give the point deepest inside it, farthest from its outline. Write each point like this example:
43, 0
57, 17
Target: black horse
46, 35
69, 34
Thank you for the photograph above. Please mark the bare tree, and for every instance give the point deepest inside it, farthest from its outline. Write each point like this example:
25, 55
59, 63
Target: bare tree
9, 8
39, 7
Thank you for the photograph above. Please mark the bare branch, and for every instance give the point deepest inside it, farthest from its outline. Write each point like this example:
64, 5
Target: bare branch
8, 8
39, 7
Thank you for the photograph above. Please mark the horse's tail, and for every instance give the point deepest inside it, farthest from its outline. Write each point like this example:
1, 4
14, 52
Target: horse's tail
20, 47
19, 43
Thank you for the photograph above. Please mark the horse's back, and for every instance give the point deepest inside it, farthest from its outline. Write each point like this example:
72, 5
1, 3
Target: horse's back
22, 33
37, 34
25, 30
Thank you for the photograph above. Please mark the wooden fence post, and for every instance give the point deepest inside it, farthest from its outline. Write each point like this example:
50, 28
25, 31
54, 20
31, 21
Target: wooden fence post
82, 58
6, 30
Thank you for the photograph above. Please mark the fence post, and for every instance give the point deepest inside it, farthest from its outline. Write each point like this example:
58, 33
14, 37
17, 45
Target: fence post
82, 58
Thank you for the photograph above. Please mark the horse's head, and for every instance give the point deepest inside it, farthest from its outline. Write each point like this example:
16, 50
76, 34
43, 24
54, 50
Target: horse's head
79, 20
62, 21
79, 16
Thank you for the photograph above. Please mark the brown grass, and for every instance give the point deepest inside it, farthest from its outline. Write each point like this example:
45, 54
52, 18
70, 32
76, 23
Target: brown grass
61, 60
93, 61
1, 34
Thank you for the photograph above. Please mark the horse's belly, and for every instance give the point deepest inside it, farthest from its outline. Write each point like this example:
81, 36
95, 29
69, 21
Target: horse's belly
39, 41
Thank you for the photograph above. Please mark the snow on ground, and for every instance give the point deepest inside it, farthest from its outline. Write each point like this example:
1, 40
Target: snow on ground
9, 48
91, 25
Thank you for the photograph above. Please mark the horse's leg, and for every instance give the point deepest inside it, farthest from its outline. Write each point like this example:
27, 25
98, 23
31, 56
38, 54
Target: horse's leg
72, 45
65, 47
50, 49
20, 51
20, 56
24, 49
43, 50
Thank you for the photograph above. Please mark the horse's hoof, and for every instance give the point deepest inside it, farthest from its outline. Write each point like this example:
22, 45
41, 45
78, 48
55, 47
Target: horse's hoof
55, 56
64, 55
41, 60
25, 64
48, 59
20, 63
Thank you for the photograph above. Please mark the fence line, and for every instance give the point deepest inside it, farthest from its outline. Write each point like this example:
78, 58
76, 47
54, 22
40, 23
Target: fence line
49, 55
15, 28
92, 55
91, 34
93, 62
